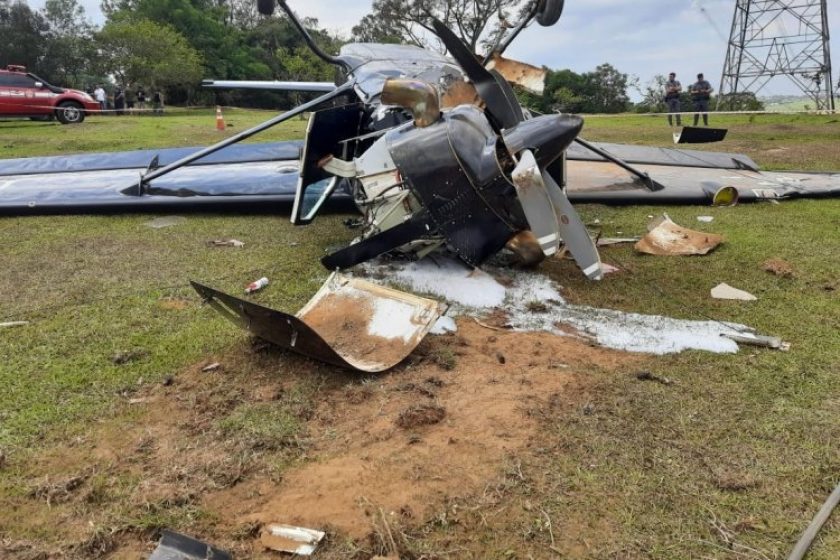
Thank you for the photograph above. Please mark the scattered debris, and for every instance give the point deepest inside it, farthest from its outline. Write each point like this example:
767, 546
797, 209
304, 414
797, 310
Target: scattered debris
175, 546
121, 358
168, 381
773, 342
778, 267
10, 324
137, 401
649, 376
2, 459
421, 415
349, 322
226, 243
667, 238
607, 241
725, 291
211, 367
256, 285
609, 269
706, 219
167, 221
287, 538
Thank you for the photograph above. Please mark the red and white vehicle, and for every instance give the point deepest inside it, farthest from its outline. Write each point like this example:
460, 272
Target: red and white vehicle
23, 94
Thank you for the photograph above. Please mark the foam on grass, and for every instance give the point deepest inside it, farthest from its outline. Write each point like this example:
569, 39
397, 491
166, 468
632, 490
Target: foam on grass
533, 303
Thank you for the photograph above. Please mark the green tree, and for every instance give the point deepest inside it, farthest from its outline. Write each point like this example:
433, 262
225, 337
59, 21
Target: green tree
71, 51
605, 90
23, 35
410, 21
146, 52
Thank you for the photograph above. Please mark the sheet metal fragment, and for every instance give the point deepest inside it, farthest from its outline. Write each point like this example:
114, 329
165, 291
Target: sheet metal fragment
725, 291
287, 538
666, 238
175, 546
349, 322
526, 75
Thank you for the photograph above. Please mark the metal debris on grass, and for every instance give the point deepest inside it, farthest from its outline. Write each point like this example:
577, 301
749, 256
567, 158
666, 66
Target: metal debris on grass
175, 546
725, 291
349, 322
256, 285
287, 538
667, 238
226, 243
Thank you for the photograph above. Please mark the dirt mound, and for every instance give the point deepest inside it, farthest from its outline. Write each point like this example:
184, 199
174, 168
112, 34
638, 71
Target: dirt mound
441, 426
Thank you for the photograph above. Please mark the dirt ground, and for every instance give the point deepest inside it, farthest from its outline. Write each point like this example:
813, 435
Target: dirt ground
377, 457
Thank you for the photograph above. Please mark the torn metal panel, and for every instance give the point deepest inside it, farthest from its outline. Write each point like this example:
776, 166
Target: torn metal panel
349, 322
668, 239
287, 538
526, 75
175, 546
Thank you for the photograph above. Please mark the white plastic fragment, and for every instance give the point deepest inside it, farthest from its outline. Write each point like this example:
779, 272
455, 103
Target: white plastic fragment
287, 538
211, 367
706, 219
10, 324
256, 285
725, 291
227, 243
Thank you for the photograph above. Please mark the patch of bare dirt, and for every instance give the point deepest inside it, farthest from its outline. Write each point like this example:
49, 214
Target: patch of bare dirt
778, 267
401, 445
364, 461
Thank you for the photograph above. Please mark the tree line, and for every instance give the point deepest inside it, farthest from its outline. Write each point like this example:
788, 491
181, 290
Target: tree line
173, 44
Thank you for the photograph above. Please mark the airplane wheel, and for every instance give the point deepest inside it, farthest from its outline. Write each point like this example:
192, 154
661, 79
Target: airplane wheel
549, 12
266, 7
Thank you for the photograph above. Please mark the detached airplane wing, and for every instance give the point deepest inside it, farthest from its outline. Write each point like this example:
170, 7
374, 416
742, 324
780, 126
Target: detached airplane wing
319, 87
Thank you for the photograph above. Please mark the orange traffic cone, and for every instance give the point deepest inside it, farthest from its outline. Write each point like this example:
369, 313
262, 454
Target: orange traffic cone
220, 120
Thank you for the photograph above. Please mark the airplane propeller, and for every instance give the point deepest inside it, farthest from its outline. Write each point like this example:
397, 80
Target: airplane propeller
537, 142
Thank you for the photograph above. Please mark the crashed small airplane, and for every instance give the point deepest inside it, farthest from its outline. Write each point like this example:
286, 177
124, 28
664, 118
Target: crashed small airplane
436, 153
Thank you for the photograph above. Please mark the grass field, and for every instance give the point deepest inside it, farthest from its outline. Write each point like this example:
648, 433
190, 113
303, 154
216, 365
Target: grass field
731, 460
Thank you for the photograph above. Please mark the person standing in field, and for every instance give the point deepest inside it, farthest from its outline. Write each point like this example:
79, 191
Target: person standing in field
141, 99
99, 95
701, 92
157, 102
673, 89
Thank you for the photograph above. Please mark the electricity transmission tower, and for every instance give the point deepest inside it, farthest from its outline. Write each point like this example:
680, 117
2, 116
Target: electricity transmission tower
772, 38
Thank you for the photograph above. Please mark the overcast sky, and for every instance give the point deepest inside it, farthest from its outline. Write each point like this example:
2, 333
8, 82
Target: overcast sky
639, 37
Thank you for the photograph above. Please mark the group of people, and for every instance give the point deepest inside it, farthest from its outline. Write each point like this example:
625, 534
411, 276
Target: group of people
124, 100
701, 92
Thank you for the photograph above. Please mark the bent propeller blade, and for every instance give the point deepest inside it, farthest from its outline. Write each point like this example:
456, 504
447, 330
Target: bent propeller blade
573, 231
533, 196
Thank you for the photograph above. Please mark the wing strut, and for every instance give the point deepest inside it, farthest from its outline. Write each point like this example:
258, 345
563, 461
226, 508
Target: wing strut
141, 187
